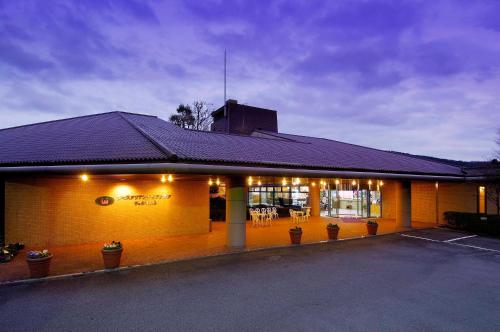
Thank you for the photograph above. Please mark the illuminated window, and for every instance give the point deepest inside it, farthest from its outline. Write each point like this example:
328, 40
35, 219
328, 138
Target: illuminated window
482, 200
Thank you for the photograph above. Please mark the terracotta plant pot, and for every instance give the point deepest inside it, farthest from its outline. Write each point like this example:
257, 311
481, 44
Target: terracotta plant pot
333, 233
295, 236
39, 267
111, 258
372, 229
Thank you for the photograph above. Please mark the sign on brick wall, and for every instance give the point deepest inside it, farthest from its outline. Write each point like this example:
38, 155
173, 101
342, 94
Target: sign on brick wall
139, 200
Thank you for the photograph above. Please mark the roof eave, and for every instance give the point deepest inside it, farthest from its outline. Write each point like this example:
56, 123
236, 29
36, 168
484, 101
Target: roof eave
211, 169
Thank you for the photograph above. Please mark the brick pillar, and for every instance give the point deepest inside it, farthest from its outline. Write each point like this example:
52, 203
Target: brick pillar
403, 203
236, 212
314, 199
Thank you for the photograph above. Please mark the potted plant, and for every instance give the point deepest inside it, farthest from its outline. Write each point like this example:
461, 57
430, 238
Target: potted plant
39, 263
333, 231
295, 234
371, 227
112, 254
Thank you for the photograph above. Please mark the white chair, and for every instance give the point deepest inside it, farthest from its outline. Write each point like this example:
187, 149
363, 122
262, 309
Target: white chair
267, 217
307, 214
293, 215
274, 213
254, 217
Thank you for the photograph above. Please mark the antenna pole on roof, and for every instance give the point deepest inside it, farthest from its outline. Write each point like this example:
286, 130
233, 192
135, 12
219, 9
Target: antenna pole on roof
225, 85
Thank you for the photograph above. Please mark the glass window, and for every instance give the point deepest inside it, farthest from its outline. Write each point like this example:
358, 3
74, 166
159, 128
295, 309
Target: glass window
253, 198
345, 199
482, 200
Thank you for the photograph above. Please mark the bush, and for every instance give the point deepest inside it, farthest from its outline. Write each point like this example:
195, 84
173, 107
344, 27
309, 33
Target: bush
474, 222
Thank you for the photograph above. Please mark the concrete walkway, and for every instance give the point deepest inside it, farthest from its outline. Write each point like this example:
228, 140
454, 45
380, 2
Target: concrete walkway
391, 283
87, 257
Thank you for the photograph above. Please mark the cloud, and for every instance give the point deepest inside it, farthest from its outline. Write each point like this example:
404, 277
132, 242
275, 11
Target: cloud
415, 76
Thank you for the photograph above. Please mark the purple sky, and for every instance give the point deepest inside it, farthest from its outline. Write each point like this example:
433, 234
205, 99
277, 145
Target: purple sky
415, 76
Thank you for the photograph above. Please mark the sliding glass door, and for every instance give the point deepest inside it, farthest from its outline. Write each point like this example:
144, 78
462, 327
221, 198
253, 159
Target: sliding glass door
349, 198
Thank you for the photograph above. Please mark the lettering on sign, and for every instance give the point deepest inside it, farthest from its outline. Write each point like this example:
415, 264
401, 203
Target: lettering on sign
141, 200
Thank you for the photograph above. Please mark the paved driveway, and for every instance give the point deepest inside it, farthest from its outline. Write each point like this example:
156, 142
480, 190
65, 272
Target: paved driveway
388, 283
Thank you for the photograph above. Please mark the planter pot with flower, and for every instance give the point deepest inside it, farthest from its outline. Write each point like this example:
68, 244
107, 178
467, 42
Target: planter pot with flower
295, 235
372, 227
39, 263
112, 254
333, 231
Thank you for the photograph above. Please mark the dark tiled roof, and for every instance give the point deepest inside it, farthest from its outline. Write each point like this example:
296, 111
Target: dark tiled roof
127, 137
96, 138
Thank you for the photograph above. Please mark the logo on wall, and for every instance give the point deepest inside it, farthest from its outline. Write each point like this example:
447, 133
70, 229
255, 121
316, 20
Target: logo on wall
104, 200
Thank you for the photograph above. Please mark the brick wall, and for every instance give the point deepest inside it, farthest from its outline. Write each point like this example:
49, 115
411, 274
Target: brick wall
389, 199
61, 211
423, 201
460, 197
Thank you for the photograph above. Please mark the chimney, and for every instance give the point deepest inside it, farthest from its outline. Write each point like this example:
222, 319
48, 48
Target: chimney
244, 119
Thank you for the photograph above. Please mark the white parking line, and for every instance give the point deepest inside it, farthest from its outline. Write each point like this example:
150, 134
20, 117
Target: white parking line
460, 238
453, 243
419, 237
475, 247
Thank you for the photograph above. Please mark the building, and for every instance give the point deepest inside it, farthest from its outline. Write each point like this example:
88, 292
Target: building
122, 176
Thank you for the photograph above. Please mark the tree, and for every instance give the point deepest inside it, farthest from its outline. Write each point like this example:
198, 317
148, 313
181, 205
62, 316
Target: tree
197, 117
202, 112
184, 117
493, 178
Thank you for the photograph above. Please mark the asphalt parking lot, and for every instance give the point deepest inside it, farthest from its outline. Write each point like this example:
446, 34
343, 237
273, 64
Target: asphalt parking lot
457, 238
416, 281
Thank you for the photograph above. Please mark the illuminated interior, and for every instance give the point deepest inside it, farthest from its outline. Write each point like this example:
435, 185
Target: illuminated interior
482, 200
275, 195
351, 198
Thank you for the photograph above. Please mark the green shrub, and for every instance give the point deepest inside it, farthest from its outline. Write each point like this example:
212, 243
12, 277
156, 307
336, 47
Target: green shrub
474, 222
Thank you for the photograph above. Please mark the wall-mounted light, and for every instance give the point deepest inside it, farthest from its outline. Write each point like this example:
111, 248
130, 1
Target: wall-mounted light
163, 179
259, 183
170, 178
250, 180
370, 182
84, 177
210, 182
283, 182
353, 182
436, 185
337, 181
217, 181
313, 184
381, 183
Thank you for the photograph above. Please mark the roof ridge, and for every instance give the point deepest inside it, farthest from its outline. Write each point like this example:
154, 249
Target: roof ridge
275, 138
171, 155
73, 118
273, 134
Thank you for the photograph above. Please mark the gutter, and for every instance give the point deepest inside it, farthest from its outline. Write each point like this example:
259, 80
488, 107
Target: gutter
185, 168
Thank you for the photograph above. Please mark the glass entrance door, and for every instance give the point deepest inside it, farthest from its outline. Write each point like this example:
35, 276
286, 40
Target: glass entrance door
347, 198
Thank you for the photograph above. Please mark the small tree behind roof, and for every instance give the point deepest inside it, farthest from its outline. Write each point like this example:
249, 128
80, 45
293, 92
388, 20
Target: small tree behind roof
197, 116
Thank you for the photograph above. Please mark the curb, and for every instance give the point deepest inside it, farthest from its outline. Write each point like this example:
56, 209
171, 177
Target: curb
237, 252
